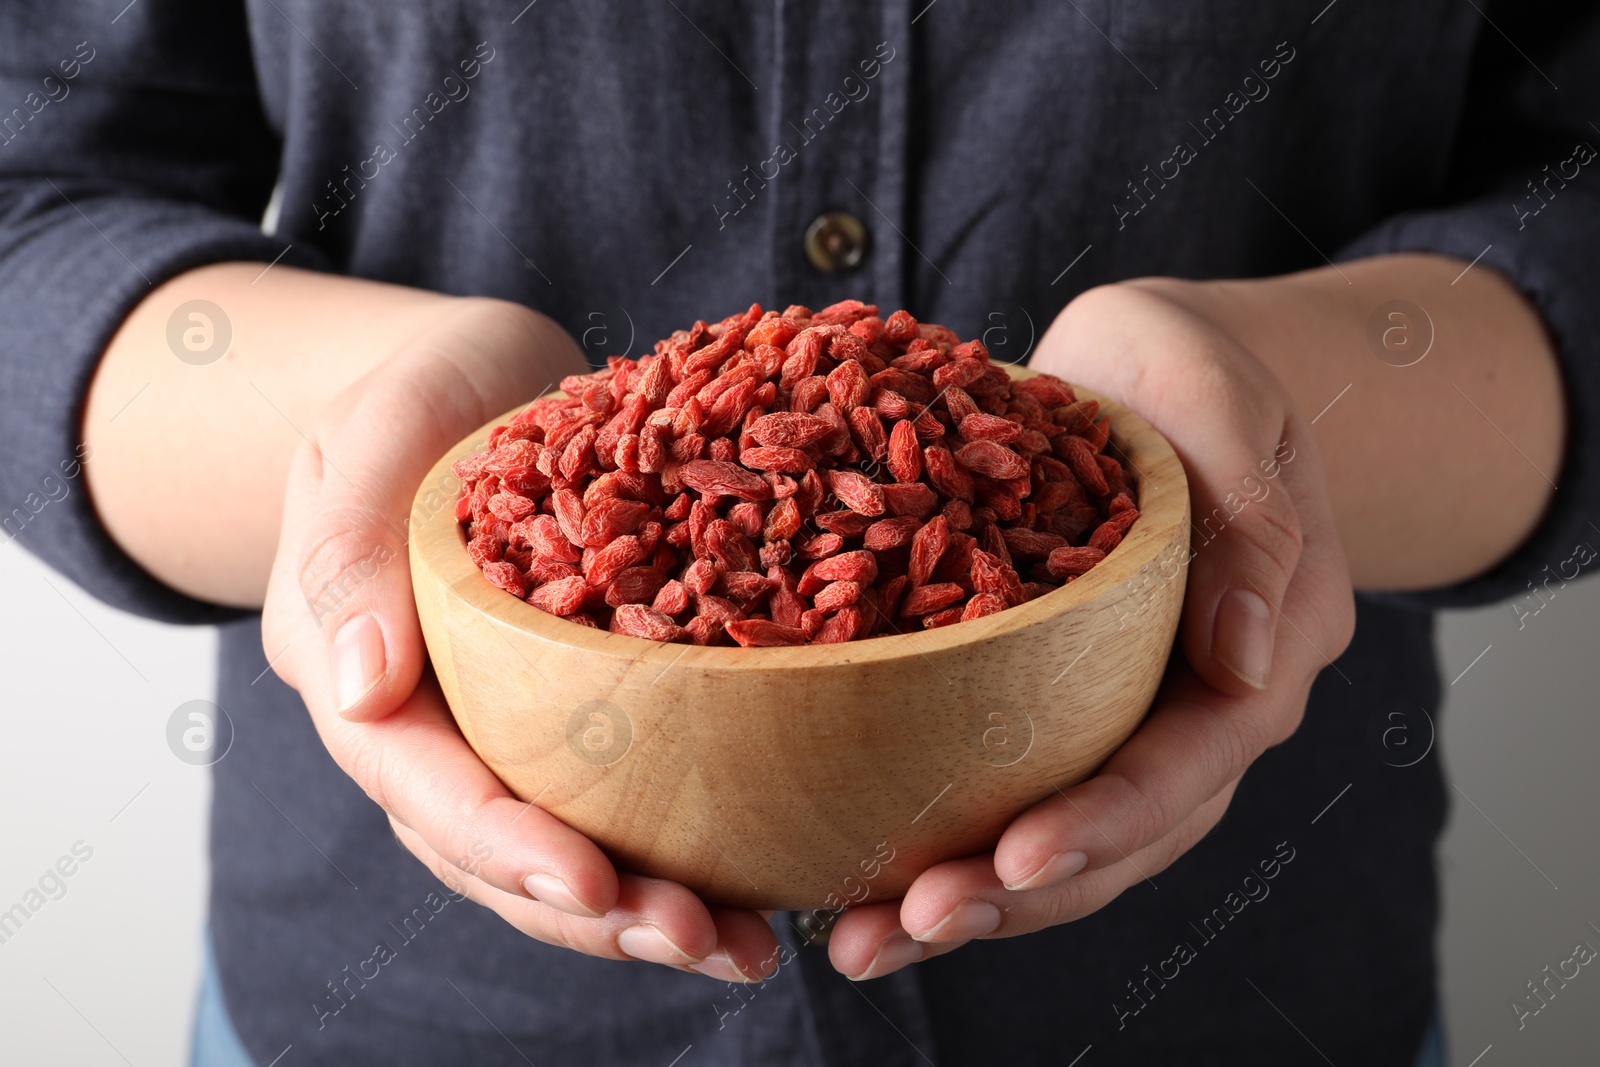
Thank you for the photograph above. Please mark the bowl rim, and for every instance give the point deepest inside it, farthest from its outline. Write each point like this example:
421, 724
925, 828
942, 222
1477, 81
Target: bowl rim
438, 554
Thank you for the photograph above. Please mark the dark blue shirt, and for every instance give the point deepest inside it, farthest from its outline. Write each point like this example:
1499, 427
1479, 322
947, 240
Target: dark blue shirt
627, 168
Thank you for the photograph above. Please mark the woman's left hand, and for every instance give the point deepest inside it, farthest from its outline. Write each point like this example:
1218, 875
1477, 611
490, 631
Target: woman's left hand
1267, 606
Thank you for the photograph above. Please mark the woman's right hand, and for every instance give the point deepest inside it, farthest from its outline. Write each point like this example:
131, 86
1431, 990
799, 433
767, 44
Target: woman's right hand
340, 626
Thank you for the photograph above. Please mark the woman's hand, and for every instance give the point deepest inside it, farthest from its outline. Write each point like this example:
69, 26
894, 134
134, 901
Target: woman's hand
340, 625
1268, 605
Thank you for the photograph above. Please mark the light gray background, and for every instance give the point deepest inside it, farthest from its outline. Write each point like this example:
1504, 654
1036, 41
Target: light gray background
106, 974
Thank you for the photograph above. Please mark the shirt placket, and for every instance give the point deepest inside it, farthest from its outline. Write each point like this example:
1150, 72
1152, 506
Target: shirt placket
838, 124
852, 162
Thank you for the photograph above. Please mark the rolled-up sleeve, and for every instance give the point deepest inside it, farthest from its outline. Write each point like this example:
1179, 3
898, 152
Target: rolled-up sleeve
1524, 199
130, 151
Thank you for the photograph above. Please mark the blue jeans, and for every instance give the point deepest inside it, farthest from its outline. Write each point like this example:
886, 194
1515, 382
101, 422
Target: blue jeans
217, 1045
1433, 1043
214, 1043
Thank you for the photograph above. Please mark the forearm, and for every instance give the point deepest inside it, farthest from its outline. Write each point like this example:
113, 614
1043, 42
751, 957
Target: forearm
191, 458
1439, 469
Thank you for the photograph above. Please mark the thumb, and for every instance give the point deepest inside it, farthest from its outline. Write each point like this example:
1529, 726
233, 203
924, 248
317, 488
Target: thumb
1245, 543
353, 487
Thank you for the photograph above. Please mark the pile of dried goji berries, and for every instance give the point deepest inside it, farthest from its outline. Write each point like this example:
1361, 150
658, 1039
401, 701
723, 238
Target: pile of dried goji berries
783, 479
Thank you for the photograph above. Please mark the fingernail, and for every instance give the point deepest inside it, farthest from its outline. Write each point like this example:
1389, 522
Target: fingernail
719, 965
1058, 868
969, 919
358, 660
646, 942
1242, 635
896, 951
548, 889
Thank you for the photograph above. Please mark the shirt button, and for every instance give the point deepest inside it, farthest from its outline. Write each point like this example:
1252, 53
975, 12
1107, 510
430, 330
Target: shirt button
836, 241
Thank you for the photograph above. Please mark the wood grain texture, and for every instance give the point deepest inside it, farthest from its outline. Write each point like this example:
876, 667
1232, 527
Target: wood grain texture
783, 777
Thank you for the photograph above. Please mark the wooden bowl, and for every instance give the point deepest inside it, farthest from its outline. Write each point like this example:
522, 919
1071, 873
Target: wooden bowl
812, 776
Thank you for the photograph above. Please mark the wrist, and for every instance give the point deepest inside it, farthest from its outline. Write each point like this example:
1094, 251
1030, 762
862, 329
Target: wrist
504, 355
1440, 456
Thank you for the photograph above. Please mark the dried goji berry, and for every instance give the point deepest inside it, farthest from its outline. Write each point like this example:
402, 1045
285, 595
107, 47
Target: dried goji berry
701, 575
506, 576
1116, 480
1030, 544
484, 550
1070, 562
510, 507
611, 518
729, 547
783, 521
634, 585
785, 603
819, 546
910, 498
957, 514
747, 518
606, 563
637, 620
889, 404
742, 587
900, 328
836, 595
561, 597
717, 609
979, 426
568, 508
844, 626
926, 599
981, 605
540, 571
905, 454
845, 523
763, 633
848, 387
858, 566
927, 547
790, 429
1081, 458
724, 479
777, 458
946, 476
1105, 537
867, 429
991, 575
890, 533
958, 372
811, 621
991, 459
643, 494
672, 598
856, 491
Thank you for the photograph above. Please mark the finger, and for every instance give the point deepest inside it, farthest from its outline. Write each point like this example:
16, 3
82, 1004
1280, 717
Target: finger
1246, 542
1318, 610
946, 902
1276, 575
747, 949
416, 766
654, 920
1192, 744
351, 492
1226, 417
868, 942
